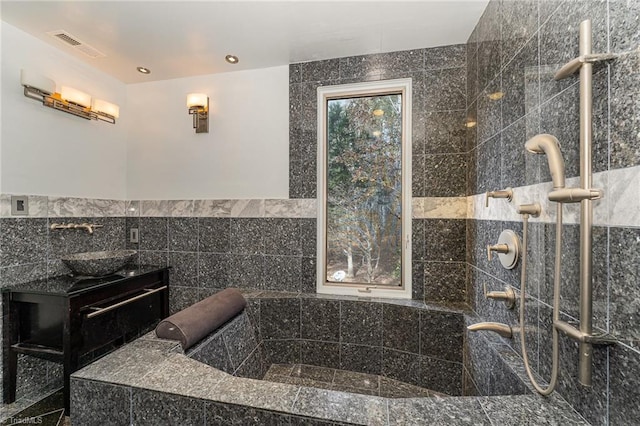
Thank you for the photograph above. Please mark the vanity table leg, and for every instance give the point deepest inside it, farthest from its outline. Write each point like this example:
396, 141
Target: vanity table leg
71, 346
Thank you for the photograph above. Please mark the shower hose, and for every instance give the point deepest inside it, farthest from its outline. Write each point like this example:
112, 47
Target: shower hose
556, 304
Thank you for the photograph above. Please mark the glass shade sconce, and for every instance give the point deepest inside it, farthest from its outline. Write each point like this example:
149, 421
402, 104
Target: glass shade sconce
69, 100
198, 104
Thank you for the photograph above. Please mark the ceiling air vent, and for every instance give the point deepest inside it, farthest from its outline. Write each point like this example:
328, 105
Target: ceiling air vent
76, 44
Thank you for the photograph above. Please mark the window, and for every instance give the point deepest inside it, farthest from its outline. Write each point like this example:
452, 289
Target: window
364, 189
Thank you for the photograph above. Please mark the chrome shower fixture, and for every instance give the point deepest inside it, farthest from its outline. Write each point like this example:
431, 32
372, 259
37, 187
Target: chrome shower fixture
549, 145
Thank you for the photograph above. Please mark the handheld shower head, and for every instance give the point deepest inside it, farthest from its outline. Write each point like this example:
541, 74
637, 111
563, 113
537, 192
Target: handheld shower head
549, 145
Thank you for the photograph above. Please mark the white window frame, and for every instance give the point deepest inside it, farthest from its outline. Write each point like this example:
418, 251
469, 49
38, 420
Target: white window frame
326, 93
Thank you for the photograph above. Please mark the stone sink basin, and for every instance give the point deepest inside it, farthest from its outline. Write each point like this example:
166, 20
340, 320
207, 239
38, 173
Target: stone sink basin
98, 263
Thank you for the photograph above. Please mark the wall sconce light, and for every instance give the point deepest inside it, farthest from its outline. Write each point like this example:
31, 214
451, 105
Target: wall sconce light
198, 104
69, 100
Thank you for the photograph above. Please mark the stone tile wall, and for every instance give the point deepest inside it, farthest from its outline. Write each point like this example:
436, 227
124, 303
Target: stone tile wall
511, 57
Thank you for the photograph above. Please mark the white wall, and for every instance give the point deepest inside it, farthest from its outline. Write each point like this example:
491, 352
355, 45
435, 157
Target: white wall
244, 155
47, 152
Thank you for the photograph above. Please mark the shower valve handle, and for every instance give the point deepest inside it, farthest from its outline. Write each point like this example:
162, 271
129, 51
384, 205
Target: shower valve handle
508, 296
499, 248
503, 193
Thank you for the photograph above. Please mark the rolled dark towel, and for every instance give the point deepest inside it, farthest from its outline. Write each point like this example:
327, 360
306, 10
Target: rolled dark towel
192, 324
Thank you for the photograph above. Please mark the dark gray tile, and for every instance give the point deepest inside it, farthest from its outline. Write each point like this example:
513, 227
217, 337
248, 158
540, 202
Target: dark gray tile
213, 352
184, 269
320, 320
624, 275
282, 237
68, 241
445, 240
365, 67
246, 271
158, 258
489, 110
234, 415
401, 325
280, 319
445, 282
214, 234
213, 270
302, 179
23, 241
112, 404
254, 366
417, 280
111, 236
487, 161
247, 236
450, 411
625, 141
441, 335
445, 132
417, 176
441, 376
445, 90
154, 408
453, 56
358, 409
623, 25
401, 366
391, 388
153, 233
400, 64
282, 273
239, 339
350, 379
530, 410
294, 73
321, 374
183, 233
182, 297
308, 236
519, 24
624, 365
282, 351
363, 359
445, 175
361, 323
308, 275
513, 157
317, 71
520, 83
323, 354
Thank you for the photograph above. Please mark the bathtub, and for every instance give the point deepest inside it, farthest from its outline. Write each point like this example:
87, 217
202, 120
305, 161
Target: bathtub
411, 347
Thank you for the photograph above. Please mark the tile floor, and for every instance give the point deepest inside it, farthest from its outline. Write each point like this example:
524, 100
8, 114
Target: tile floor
346, 381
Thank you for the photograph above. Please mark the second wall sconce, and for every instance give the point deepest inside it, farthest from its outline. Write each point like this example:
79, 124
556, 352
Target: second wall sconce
68, 100
198, 104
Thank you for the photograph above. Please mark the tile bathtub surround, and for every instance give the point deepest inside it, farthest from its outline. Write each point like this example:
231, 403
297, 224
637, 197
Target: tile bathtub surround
530, 40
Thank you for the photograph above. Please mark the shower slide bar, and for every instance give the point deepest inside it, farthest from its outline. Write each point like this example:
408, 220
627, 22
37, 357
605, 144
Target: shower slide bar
584, 334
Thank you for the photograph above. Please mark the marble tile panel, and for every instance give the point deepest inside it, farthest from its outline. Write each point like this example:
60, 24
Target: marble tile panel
148, 407
38, 206
401, 327
323, 354
341, 406
452, 56
89, 207
295, 208
361, 323
23, 241
445, 411
233, 415
281, 351
445, 282
155, 208
446, 239
441, 335
320, 320
280, 319
212, 208
183, 233
132, 208
359, 358
445, 175
247, 208
624, 197
445, 90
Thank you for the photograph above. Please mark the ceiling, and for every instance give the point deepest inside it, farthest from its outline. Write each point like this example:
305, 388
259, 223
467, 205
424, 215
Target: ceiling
186, 38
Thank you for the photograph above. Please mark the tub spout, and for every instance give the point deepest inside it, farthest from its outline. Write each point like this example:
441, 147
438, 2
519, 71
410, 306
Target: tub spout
503, 330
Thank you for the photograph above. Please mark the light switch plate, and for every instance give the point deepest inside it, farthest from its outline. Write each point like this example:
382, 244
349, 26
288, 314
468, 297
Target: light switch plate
19, 205
134, 236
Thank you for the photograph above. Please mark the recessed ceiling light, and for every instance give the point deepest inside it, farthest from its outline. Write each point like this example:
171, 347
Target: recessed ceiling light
470, 123
144, 70
496, 96
232, 59
378, 112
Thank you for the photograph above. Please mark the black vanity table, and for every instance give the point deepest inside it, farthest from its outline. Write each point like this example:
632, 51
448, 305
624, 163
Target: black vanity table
73, 321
